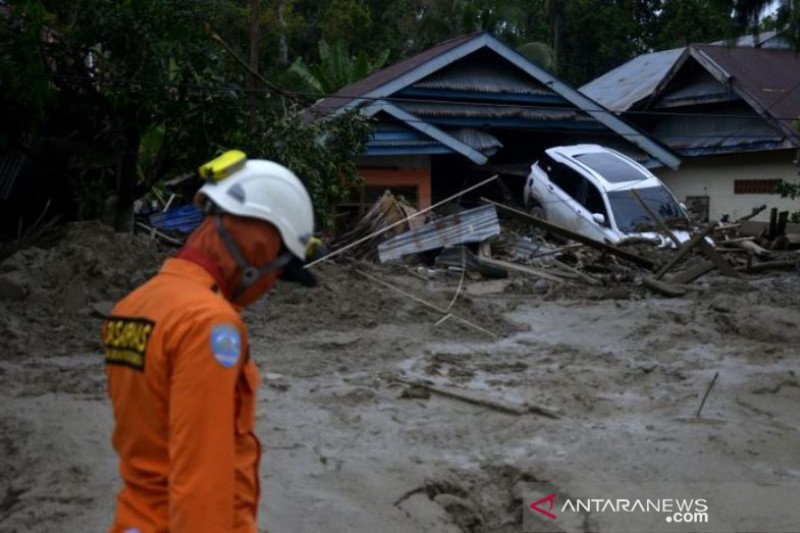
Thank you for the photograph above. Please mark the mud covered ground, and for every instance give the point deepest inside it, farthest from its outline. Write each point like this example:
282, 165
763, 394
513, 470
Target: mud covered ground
349, 448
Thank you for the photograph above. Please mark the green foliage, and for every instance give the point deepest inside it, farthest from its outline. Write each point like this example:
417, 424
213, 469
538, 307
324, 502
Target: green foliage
336, 68
24, 91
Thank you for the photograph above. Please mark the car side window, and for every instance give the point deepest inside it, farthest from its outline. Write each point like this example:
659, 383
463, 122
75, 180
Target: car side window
566, 179
591, 199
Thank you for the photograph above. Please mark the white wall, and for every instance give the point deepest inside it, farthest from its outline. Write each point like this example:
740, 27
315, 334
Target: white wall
713, 176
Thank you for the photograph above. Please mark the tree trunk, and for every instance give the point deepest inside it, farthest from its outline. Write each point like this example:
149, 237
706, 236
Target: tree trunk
283, 47
253, 82
127, 178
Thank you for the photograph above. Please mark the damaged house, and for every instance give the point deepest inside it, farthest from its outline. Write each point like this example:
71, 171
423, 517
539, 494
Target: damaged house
730, 113
468, 108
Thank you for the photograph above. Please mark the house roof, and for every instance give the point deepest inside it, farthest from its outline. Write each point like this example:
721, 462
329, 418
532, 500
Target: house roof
519, 78
381, 77
619, 89
768, 79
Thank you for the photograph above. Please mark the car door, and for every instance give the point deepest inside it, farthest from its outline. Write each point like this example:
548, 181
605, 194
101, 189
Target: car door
592, 202
561, 188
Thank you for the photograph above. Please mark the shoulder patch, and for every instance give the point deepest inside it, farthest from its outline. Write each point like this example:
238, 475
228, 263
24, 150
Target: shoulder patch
226, 344
125, 341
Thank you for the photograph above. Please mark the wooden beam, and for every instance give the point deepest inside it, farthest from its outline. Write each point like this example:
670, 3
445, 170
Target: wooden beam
538, 272
691, 274
718, 260
569, 234
480, 400
684, 250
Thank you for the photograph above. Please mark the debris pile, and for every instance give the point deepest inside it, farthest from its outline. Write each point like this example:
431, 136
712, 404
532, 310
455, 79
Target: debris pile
494, 239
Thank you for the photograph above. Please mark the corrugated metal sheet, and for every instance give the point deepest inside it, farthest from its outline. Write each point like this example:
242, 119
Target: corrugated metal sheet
485, 143
10, 167
686, 133
703, 88
483, 73
769, 78
473, 225
432, 110
621, 88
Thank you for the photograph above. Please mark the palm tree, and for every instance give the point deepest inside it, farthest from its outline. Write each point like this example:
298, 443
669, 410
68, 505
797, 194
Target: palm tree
336, 68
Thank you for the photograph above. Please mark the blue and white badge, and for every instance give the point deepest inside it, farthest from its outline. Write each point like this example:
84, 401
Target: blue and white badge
226, 344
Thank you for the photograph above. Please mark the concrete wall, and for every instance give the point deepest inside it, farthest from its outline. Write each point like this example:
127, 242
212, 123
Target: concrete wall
714, 176
402, 177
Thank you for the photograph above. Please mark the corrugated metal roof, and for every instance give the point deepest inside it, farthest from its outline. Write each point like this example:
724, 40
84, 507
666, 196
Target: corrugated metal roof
619, 89
383, 76
767, 78
432, 110
474, 74
473, 225
10, 167
391, 80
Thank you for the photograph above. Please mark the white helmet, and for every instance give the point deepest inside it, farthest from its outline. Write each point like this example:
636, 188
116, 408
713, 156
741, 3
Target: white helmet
265, 190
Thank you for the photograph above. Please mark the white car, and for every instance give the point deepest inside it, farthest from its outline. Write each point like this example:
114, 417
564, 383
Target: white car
587, 188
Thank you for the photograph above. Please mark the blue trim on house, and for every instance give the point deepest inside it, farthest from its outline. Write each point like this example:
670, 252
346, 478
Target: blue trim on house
408, 150
572, 95
517, 123
452, 94
427, 128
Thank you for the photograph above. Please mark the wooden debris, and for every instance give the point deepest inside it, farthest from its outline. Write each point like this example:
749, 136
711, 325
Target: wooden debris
684, 250
539, 273
705, 396
380, 231
691, 274
756, 210
717, 259
582, 275
667, 289
785, 264
480, 400
427, 304
563, 232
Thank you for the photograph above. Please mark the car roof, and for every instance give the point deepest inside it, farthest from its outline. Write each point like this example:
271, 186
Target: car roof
570, 152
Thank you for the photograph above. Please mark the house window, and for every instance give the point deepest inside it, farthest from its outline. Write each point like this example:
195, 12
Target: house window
755, 186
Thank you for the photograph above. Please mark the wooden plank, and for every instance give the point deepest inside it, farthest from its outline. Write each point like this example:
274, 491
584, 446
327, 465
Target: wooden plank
691, 274
791, 264
684, 250
756, 210
569, 234
773, 223
582, 275
480, 400
783, 219
539, 273
718, 260
667, 289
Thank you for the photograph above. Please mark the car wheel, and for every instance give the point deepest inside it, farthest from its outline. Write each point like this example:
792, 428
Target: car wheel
536, 210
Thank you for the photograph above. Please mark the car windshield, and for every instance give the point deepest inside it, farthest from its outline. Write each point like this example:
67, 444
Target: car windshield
612, 168
631, 216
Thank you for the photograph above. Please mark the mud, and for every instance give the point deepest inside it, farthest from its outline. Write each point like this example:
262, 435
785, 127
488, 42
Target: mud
348, 448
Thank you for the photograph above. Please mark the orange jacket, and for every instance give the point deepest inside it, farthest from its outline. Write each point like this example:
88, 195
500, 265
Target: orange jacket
183, 391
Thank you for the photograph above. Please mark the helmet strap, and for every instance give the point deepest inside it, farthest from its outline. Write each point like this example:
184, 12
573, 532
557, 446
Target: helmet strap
251, 274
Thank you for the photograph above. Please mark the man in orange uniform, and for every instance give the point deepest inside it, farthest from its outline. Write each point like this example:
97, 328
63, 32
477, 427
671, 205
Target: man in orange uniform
180, 377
